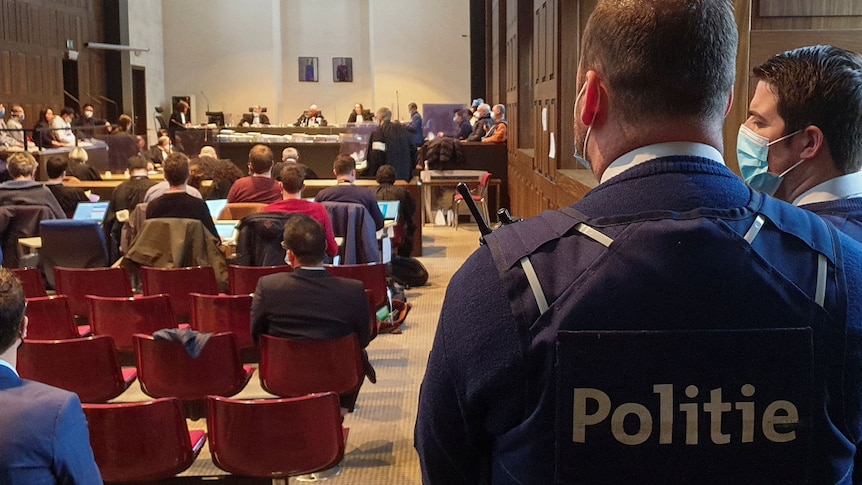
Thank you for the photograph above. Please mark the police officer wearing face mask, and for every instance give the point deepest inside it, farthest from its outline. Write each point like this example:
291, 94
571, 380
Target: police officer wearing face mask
86, 125
802, 141
563, 352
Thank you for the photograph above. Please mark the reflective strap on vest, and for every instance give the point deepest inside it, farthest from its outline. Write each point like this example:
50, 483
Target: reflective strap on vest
822, 262
820, 291
755, 228
533, 278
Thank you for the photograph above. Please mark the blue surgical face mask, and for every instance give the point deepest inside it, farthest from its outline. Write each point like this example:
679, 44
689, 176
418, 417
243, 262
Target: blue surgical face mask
752, 151
2, 112
582, 159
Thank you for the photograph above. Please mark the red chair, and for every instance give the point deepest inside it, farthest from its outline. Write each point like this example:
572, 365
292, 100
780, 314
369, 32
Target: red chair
142, 441
123, 317
242, 280
223, 313
178, 283
32, 281
51, 318
373, 278
293, 368
77, 283
85, 366
480, 196
275, 438
165, 368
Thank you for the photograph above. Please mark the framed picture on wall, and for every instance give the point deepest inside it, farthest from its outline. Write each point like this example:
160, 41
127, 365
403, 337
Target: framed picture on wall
342, 69
308, 69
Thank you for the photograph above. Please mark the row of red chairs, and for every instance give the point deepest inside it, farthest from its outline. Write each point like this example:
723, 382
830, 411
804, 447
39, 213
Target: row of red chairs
267, 438
242, 280
52, 317
250, 438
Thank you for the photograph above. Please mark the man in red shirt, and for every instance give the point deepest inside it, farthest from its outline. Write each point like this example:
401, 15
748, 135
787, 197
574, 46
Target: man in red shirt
292, 183
259, 186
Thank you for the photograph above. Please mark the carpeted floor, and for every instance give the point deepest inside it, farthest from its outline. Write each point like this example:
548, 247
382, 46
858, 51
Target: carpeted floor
380, 444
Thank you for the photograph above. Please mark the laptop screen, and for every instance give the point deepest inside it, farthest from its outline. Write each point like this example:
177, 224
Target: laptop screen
225, 230
389, 208
216, 206
90, 211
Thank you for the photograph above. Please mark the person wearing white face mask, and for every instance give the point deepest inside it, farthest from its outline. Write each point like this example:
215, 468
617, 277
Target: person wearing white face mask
808, 101
87, 125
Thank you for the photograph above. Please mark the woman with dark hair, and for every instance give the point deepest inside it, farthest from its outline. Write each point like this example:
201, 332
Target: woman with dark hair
180, 119
42, 129
360, 114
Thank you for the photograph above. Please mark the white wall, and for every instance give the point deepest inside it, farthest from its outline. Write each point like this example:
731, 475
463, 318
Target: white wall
245, 53
145, 30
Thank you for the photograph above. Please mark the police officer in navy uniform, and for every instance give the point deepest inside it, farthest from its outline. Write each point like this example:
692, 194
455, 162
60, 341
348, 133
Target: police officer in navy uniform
673, 326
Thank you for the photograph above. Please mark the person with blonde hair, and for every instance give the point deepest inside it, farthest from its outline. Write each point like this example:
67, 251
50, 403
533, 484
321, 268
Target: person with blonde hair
23, 188
78, 166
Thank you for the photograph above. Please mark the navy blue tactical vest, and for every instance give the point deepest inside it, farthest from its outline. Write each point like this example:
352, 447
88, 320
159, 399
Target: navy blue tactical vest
677, 347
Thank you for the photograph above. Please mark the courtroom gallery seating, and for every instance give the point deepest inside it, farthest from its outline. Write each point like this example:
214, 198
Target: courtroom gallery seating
77, 283
178, 283
123, 317
142, 441
275, 438
51, 318
86, 366
72, 244
242, 280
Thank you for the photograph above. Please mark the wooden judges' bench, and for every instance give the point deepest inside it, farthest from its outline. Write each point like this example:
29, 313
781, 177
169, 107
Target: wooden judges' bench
104, 188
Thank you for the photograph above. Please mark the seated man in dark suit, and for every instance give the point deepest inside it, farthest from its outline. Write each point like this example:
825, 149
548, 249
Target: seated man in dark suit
45, 437
23, 188
387, 190
177, 202
344, 169
309, 303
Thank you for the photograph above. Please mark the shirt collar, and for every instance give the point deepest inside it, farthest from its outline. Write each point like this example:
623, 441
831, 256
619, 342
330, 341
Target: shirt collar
839, 188
659, 150
313, 268
3, 363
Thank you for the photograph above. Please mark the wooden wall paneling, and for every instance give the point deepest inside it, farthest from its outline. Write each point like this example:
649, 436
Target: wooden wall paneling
739, 109
765, 44
525, 55
808, 8
569, 35
496, 61
5, 74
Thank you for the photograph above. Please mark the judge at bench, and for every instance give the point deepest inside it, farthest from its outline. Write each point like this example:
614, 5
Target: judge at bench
256, 118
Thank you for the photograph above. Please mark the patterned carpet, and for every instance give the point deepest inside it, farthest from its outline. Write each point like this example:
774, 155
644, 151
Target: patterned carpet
380, 445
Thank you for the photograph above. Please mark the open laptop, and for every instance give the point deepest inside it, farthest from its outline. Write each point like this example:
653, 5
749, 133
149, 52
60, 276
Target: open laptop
389, 209
226, 231
91, 211
216, 206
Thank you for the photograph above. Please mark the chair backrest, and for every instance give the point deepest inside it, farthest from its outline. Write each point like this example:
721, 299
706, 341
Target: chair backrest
272, 438
141, 441
77, 283
17, 221
484, 180
50, 318
32, 281
372, 276
123, 317
86, 366
291, 368
223, 313
242, 280
238, 210
260, 237
354, 223
178, 283
165, 368
72, 244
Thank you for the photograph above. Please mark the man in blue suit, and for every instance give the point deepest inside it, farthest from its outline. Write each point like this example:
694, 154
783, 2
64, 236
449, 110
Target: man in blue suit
44, 436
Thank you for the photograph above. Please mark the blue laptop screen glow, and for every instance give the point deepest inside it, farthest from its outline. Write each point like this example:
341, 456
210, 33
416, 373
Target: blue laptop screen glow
90, 211
389, 209
216, 206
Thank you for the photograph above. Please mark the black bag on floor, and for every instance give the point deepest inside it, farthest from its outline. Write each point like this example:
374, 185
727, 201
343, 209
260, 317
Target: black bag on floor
407, 271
